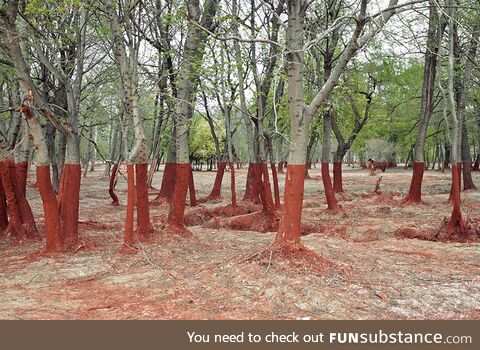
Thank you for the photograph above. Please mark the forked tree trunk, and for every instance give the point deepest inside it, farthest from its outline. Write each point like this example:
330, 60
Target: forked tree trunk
53, 225
301, 116
137, 163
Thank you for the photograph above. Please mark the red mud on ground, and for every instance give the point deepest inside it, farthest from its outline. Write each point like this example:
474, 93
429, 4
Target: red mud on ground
375, 275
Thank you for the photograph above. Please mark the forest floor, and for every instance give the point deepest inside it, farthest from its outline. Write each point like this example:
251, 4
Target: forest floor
375, 276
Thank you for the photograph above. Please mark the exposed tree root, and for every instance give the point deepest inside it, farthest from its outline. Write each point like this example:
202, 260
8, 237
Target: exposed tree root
409, 201
128, 249
178, 230
324, 229
209, 199
197, 216
295, 255
334, 211
470, 232
386, 198
242, 208
160, 201
258, 221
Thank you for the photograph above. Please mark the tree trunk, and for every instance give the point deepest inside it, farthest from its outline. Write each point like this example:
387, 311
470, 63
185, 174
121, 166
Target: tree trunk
169, 171
290, 221
191, 189
53, 225
456, 221
112, 184
466, 162
217, 185
435, 32
137, 159
232, 185
326, 179
3, 209
276, 189
192, 56
337, 177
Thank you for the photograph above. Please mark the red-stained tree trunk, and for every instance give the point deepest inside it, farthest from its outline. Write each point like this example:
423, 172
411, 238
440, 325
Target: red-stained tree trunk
22, 174
301, 116
13, 197
266, 193
458, 184
53, 225
435, 31
144, 226
69, 203
326, 179
457, 100
456, 220
13, 208
276, 189
26, 214
192, 55
177, 206
168, 183
415, 192
252, 188
3, 209
337, 177
327, 185
129, 217
137, 159
289, 230
217, 185
191, 189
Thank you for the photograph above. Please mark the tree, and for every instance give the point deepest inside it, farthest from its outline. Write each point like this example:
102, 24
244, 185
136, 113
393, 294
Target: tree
194, 49
138, 158
436, 27
301, 115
